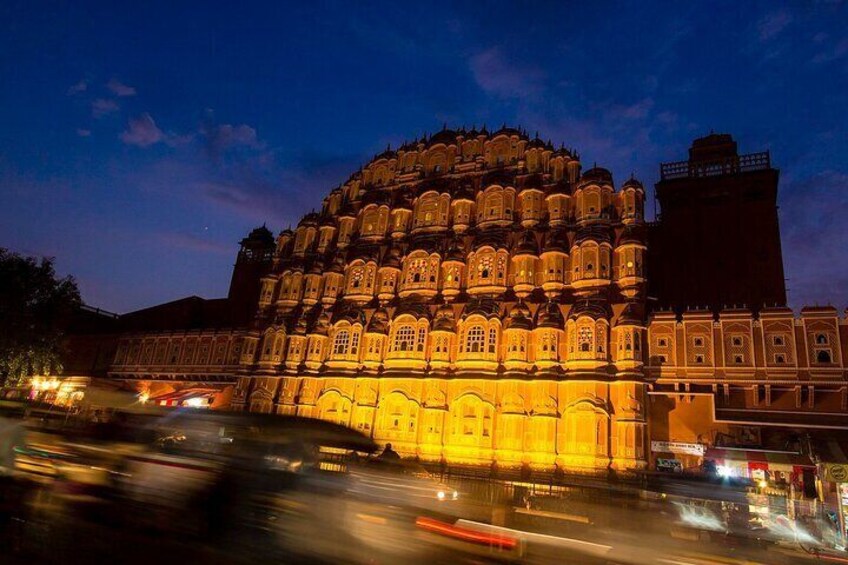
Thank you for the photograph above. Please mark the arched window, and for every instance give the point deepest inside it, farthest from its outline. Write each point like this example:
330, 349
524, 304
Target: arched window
584, 339
422, 335
821, 339
823, 356
341, 343
404, 339
475, 339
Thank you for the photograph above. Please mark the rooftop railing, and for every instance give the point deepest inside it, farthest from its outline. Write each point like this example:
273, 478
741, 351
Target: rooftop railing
716, 167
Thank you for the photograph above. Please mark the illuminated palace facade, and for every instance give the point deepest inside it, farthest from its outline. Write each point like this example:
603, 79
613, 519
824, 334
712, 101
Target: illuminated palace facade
478, 298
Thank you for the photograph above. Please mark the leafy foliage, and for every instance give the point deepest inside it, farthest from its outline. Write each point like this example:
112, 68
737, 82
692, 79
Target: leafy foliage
35, 307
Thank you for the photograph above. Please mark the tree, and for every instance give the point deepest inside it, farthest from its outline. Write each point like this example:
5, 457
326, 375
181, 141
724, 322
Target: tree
35, 307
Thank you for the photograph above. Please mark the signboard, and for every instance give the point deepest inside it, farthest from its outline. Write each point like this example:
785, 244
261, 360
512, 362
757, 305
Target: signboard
669, 465
678, 447
837, 473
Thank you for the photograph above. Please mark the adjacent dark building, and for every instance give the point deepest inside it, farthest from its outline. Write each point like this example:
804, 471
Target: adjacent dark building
716, 243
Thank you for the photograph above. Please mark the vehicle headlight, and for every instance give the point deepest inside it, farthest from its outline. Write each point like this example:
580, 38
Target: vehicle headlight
440, 495
455, 495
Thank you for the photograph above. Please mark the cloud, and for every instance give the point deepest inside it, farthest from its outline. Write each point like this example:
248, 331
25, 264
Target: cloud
103, 106
81, 86
120, 89
772, 24
270, 186
839, 50
497, 75
193, 243
142, 131
814, 230
83, 132
636, 111
221, 137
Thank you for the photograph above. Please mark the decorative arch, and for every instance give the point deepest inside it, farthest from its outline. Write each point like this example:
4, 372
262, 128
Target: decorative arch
479, 338
586, 430
408, 337
333, 406
345, 341
431, 210
496, 204
420, 272
397, 418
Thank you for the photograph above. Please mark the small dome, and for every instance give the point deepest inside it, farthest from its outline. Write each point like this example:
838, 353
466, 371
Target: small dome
536, 143
597, 174
446, 136
286, 232
379, 323
527, 245
321, 325
507, 131
592, 308
593, 233
364, 252
338, 265
349, 313
631, 316
498, 177
310, 219
556, 241
327, 220
532, 182
455, 252
485, 307
402, 200
519, 317
494, 238
317, 268
389, 153
632, 234
464, 192
300, 326
632, 182
346, 211
549, 316
392, 258
444, 319
417, 310
562, 188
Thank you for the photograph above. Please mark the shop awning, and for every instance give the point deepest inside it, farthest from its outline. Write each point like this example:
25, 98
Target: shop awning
195, 397
765, 460
831, 451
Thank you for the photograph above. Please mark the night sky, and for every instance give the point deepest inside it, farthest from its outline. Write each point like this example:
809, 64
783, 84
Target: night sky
139, 143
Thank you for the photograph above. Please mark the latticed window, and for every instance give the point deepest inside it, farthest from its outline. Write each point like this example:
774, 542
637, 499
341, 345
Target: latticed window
417, 271
356, 276
354, 344
422, 333
584, 339
493, 339
484, 268
475, 339
404, 339
341, 343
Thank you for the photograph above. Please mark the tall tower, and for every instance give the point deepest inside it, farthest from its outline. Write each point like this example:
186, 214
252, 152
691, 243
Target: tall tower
717, 241
254, 260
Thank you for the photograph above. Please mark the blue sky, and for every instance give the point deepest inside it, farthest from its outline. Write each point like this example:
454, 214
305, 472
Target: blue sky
140, 141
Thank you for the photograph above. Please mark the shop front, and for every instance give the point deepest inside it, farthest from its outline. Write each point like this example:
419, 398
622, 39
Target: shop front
677, 456
782, 483
833, 488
